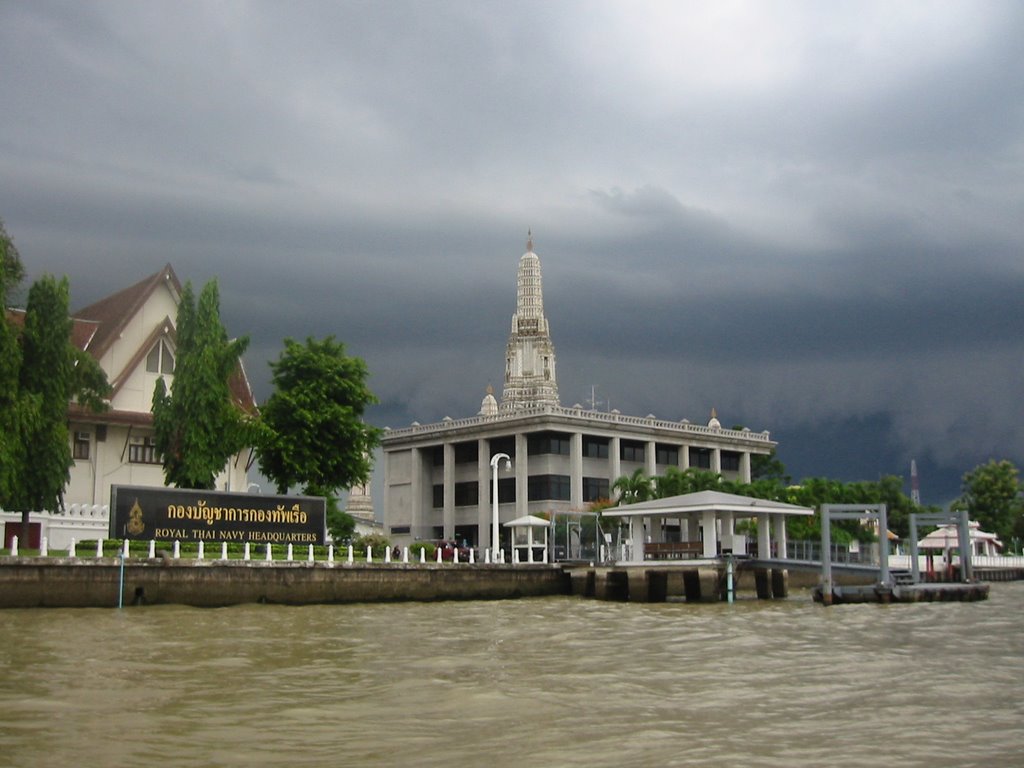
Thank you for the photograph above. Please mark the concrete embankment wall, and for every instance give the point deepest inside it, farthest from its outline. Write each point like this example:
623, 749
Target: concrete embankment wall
74, 583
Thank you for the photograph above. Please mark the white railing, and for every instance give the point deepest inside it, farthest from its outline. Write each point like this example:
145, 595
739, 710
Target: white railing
684, 426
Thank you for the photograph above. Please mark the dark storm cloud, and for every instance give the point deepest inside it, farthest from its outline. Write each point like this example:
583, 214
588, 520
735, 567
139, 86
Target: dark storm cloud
808, 216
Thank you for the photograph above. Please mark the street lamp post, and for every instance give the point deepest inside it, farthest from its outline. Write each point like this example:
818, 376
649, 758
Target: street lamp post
496, 460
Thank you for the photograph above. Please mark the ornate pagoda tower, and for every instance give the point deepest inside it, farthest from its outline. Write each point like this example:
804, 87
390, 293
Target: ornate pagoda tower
530, 355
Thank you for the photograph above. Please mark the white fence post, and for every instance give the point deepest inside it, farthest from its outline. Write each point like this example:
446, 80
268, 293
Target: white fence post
177, 549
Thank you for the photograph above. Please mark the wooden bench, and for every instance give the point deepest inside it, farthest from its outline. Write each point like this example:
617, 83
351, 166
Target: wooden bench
673, 550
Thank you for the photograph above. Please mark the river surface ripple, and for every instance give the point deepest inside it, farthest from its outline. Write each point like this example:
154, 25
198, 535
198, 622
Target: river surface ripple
544, 682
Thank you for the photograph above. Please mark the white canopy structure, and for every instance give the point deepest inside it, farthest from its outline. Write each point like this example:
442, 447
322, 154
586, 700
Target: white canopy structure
708, 517
524, 541
947, 537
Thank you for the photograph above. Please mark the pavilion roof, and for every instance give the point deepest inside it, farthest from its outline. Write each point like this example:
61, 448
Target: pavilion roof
701, 501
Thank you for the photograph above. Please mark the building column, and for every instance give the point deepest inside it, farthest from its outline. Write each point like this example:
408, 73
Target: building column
684, 457
650, 459
522, 477
483, 495
416, 495
448, 510
576, 471
745, 467
764, 540
728, 521
614, 461
637, 539
716, 460
709, 525
780, 536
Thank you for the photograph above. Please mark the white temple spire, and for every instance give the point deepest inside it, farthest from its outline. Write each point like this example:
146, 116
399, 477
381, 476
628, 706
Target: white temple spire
530, 355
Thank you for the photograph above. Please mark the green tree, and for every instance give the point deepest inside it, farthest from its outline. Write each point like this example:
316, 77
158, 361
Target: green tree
992, 495
312, 428
634, 488
12, 272
51, 372
15, 411
46, 372
768, 467
197, 425
340, 524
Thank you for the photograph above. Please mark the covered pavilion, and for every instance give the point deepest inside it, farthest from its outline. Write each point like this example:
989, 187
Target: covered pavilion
947, 537
704, 525
524, 542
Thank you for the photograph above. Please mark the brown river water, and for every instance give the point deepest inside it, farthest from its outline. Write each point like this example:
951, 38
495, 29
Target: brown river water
533, 682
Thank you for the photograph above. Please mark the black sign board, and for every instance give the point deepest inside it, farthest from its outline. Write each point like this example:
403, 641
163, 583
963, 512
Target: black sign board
175, 514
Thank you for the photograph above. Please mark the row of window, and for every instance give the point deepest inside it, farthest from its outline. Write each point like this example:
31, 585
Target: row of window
538, 488
140, 450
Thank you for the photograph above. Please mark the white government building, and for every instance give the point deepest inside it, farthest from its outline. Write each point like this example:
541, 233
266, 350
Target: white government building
437, 477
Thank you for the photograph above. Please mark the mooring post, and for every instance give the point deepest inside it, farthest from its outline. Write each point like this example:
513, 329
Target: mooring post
223, 550
826, 555
387, 554
152, 549
14, 546
310, 557
405, 555
472, 560
439, 554
288, 552
201, 553
71, 548
350, 554
423, 555
44, 547
177, 549
369, 554
246, 553
330, 554
269, 555
728, 579
99, 547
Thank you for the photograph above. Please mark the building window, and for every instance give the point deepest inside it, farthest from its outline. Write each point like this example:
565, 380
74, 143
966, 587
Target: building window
547, 442
667, 454
631, 450
465, 453
437, 455
80, 446
160, 358
399, 529
506, 445
595, 488
142, 450
730, 461
595, 447
438, 497
548, 488
700, 458
467, 494
506, 491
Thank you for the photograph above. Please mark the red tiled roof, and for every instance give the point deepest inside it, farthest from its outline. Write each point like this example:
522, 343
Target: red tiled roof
112, 314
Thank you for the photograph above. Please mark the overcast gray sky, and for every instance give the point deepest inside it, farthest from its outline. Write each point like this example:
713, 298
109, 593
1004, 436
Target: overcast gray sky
807, 215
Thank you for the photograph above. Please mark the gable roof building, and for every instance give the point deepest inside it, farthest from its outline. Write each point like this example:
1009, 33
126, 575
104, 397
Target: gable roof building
131, 335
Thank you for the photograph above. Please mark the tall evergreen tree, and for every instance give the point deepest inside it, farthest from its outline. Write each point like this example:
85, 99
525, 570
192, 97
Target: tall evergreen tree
313, 429
46, 374
16, 411
198, 427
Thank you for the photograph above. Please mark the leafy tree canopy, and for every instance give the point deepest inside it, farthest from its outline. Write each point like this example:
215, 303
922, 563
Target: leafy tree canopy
312, 429
992, 495
12, 272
